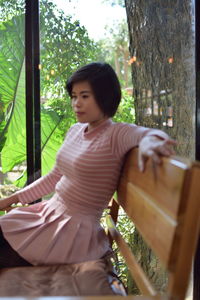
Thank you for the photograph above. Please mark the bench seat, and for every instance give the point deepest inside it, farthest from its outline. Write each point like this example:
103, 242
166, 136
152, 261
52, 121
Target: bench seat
88, 278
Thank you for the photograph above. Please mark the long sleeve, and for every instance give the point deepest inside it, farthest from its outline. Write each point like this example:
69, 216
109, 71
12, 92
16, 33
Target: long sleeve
42, 186
127, 136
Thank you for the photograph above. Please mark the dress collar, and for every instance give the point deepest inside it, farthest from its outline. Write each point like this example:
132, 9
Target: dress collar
97, 129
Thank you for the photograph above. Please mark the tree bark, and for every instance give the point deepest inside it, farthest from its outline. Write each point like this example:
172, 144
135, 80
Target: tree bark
162, 40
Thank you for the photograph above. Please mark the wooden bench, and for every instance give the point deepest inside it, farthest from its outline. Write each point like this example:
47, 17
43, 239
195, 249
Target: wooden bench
164, 204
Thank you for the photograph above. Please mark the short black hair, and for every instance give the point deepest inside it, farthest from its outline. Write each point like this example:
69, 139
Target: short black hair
104, 83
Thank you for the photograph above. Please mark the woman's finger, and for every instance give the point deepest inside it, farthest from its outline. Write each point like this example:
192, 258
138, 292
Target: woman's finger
171, 142
165, 151
140, 161
143, 158
156, 158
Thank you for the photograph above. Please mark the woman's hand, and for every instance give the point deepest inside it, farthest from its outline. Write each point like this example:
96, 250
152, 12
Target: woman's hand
154, 147
5, 204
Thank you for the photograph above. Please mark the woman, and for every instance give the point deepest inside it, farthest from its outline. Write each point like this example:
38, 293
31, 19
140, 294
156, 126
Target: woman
66, 228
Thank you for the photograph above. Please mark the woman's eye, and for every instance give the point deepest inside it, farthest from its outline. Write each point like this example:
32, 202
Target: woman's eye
85, 96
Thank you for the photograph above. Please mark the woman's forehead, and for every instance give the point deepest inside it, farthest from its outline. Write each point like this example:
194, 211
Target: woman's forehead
81, 86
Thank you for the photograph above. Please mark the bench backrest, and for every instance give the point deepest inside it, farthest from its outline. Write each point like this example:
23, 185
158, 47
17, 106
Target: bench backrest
164, 204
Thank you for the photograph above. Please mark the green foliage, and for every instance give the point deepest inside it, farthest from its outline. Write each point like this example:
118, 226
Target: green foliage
11, 62
13, 102
11, 8
127, 229
125, 112
65, 46
115, 50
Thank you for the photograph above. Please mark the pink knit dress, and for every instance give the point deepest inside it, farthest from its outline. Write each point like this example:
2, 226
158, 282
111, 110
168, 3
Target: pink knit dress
66, 228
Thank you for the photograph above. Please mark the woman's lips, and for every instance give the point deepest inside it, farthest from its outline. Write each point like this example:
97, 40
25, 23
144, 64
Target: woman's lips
79, 113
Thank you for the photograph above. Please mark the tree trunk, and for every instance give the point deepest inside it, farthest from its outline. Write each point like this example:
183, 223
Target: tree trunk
162, 37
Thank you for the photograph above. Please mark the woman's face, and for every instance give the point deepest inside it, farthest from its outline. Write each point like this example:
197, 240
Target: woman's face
85, 105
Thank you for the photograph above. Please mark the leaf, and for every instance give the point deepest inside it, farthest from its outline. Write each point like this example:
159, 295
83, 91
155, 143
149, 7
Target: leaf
3, 139
11, 59
51, 138
50, 143
14, 150
21, 181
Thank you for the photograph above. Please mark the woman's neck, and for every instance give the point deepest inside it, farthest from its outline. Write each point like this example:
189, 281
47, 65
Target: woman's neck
94, 124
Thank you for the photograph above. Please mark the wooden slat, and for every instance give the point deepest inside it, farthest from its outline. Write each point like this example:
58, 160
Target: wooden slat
136, 271
156, 227
114, 209
166, 191
164, 204
187, 234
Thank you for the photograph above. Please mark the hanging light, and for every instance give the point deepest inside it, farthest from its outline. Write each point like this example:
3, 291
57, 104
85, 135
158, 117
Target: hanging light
132, 60
170, 60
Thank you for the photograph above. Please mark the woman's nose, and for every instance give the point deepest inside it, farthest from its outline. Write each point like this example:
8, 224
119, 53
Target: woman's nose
77, 102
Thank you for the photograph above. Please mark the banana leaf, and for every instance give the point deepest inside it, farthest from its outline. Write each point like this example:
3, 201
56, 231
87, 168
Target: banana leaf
12, 92
11, 60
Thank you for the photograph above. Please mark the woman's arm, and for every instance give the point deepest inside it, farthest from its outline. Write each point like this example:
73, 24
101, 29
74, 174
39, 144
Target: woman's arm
39, 188
8, 201
42, 186
152, 142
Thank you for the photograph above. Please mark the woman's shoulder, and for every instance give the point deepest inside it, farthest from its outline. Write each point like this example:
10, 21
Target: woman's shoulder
118, 126
122, 130
75, 128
